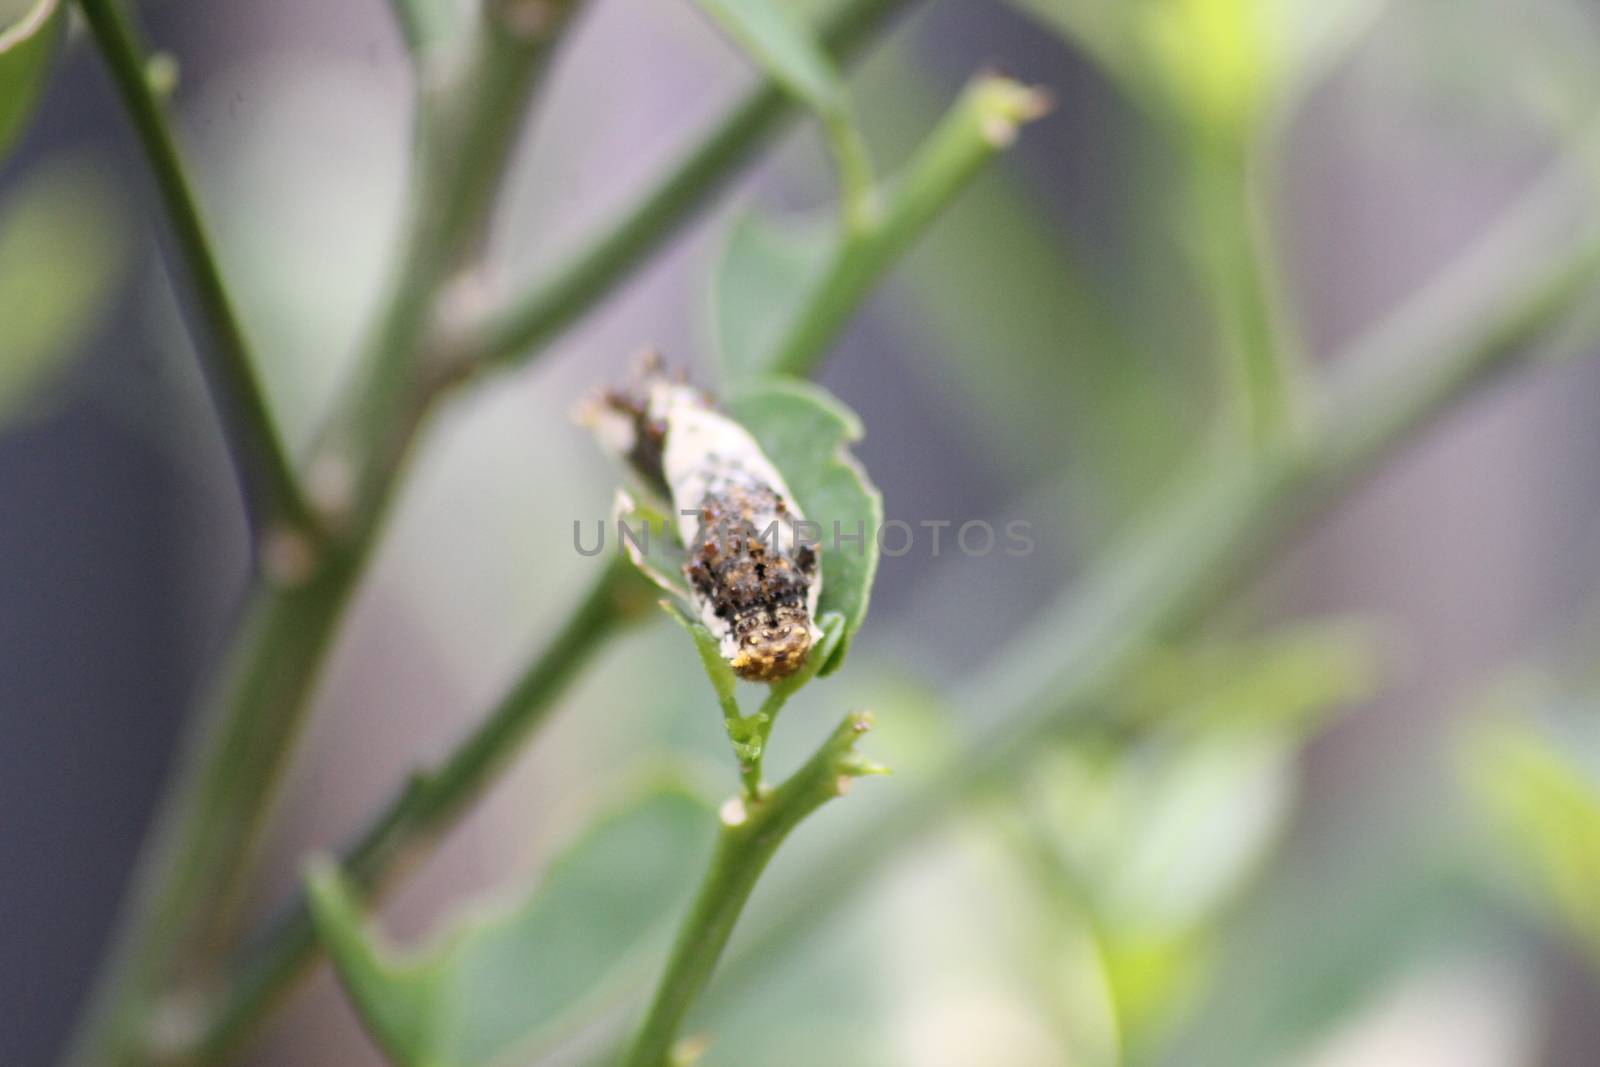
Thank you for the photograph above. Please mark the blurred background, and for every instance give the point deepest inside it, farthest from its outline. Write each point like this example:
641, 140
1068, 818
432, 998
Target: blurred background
1302, 859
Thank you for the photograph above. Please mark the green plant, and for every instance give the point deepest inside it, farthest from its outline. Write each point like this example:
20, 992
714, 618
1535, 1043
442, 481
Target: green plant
1291, 438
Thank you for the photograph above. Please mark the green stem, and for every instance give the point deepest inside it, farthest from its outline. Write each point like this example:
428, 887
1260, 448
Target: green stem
981, 123
182, 917
556, 302
258, 451
857, 189
426, 26
778, 694
1264, 369
183, 912
431, 803
466, 132
750, 836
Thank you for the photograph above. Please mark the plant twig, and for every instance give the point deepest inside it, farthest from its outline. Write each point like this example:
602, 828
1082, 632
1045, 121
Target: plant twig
426, 25
557, 301
467, 128
258, 451
982, 122
430, 804
189, 882
1264, 369
182, 917
751, 832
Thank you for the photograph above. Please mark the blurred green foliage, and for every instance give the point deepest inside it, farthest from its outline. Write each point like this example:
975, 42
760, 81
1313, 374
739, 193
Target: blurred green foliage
1144, 839
63, 252
29, 36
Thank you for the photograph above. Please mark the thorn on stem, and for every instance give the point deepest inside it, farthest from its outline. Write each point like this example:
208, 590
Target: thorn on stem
331, 486
687, 1052
161, 75
173, 1025
733, 812
288, 557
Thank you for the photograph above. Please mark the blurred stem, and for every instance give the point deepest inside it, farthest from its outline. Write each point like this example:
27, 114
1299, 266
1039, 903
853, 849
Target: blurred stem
857, 189
426, 25
558, 300
259, 454
980, 124
1264, 370
431, 803
466, 132
750, 836
182, 916
190, 884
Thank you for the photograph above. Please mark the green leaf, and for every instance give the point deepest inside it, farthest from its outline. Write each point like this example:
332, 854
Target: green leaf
785, 48
807, 433
499, 983
27, 45
765, 270
62, 252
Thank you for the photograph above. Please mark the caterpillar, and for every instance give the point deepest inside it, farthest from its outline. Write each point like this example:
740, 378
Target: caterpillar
753, 578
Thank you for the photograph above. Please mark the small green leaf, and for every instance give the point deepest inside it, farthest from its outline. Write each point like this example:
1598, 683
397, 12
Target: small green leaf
763, 274
62, 250
499, 983
27, 45
806, 433
396, 998
784, 47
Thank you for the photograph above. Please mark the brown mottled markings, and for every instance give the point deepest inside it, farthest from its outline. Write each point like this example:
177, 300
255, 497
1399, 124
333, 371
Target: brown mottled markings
759, 588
